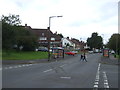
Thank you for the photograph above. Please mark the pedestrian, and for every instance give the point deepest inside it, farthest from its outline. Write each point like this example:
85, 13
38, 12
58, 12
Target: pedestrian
81, 58
84, 57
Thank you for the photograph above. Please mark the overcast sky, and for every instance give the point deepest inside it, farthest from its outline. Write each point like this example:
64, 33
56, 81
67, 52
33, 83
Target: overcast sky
80, 17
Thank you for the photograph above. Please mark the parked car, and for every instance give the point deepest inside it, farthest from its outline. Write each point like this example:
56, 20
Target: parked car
74, 52
44, 49
70, 53
112, 52
90, 52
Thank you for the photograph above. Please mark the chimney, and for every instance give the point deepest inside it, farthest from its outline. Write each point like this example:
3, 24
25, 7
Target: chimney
25, 25
56, 32
67, 37
48, 28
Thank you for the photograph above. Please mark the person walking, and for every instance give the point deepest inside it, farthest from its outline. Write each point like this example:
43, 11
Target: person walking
84, 57
81, 58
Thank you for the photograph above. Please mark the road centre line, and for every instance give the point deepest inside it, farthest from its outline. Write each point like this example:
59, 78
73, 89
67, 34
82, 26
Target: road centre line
66, 77
105, 80
96, 83
95, 86
48, 70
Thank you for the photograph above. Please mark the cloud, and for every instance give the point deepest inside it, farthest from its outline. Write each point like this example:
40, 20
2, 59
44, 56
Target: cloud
80, 17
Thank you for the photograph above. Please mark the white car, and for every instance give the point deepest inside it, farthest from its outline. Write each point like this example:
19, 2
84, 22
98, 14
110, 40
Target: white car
112, 52
74, 52
90, 52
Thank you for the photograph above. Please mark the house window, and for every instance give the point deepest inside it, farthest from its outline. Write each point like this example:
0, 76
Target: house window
43, 38
43, 34
52, 38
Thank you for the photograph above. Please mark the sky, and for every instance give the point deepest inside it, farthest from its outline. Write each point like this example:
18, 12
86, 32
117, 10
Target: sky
80, 17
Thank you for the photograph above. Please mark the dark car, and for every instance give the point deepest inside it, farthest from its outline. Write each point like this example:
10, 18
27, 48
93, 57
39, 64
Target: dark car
43, 49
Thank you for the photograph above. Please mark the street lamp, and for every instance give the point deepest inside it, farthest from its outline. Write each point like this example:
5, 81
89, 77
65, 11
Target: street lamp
49, 35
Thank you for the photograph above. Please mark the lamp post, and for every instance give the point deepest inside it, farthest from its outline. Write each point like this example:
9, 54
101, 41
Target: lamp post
103, 41
49, 38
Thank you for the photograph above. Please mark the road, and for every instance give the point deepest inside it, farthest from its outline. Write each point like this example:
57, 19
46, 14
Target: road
69, 73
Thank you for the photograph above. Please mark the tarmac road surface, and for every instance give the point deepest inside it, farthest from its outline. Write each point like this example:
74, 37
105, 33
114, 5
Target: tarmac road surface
68, 73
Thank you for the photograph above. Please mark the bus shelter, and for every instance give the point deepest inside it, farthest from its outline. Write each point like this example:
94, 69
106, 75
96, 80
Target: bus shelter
57, 52
106, 52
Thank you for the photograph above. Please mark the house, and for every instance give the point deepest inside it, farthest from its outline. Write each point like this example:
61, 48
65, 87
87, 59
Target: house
67, 43
45, 35
78, 45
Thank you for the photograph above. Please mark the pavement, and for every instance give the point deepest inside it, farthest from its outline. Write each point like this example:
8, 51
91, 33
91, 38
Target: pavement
109, 60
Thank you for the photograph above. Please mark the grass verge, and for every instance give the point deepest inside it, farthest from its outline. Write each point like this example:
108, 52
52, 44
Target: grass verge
31, 55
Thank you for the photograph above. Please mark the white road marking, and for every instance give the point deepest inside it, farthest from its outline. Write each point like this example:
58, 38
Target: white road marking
27, 65
48, 70
17, 66
105, 80
62, 65
96, 83
95, 86
10, 67
30, 64
66, 77
96, 80
23, 65
0, 68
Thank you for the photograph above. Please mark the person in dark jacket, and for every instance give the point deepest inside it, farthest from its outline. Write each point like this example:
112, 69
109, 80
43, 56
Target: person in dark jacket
84, 57
81, 58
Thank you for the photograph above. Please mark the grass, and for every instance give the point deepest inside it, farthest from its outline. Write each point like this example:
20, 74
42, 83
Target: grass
0, 54
31, 55
117, 56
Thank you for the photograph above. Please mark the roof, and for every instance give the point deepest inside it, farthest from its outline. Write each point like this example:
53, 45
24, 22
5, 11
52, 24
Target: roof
75, 41
43, 33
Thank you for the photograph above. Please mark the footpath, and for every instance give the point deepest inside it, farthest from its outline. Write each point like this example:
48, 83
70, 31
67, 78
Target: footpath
110, 60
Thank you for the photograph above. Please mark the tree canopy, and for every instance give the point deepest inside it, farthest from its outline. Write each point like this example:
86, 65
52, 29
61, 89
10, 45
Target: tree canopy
95, 41
11, 19
14, 34
114, 43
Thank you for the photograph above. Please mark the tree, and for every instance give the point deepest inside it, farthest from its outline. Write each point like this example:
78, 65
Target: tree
14, 34
8, 36
26, 39
114, 43
95, 41
11, 19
